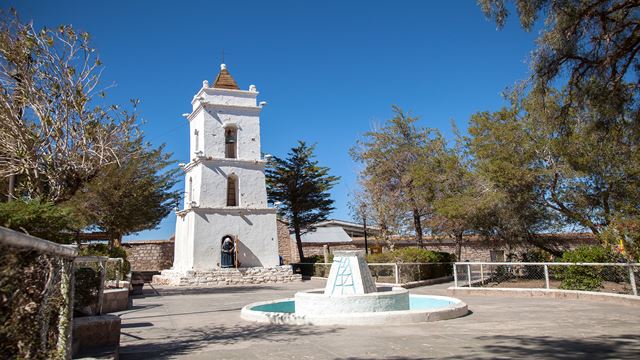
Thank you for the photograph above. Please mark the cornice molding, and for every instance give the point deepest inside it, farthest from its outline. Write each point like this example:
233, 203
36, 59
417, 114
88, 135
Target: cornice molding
226, 210
222, 161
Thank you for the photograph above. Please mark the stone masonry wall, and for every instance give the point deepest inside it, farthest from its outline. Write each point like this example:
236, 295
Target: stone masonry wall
230, 276
284, 242
151, 255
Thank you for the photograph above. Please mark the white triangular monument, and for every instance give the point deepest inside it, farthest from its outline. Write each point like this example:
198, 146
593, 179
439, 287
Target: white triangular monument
349, 274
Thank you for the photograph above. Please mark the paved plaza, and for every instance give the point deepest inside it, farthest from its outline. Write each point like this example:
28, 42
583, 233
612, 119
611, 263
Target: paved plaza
205, 324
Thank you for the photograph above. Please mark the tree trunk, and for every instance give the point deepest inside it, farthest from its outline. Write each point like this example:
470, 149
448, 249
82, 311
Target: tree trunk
459, 238
12, 185
116, 241
296, 229
418, 226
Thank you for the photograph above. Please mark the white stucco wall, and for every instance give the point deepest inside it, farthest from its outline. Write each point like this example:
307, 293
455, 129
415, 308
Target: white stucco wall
246, 121
196, 124
184, 241
255, 231
213, 186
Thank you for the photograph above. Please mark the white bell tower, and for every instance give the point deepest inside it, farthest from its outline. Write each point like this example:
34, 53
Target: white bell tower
225, 192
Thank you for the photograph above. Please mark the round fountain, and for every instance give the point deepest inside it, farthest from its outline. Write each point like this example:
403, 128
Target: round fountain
351, 297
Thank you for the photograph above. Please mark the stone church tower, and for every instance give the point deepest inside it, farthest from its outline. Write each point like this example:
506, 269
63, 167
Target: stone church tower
225, 193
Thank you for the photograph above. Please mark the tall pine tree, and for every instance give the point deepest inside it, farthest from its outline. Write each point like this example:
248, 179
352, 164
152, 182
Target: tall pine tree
302, 187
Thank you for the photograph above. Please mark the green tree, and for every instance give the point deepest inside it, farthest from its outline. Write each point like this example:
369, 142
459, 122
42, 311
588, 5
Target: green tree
553, 177
55, 131
459, 200
582, 109
390, 156
506, 157
302, 187
593, 44
129, 197
379, 208
81, 160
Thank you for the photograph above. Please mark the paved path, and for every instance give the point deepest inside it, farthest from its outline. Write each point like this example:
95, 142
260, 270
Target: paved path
206, 324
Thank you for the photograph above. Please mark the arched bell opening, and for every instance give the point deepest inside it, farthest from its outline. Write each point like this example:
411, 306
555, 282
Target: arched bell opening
230, 142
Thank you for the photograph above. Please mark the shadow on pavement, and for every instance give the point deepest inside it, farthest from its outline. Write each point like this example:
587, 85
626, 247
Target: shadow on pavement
172, 291
189, 340
597, 347
543, 347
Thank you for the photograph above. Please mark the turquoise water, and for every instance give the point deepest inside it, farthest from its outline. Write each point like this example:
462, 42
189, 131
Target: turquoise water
287, 306
425, 303
415, 303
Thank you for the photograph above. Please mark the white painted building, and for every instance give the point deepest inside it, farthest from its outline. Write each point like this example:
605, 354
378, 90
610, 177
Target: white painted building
225, 192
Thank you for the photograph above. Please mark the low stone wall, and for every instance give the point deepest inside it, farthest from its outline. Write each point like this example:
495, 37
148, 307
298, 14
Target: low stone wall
96, 336
150, 255
115, 300
221, 277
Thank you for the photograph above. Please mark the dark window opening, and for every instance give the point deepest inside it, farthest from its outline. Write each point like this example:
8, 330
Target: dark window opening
230, 141
232, 188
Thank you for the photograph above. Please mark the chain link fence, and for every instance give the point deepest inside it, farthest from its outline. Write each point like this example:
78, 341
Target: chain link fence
391, 273
616, 278
36, 293
90, 273
114, 272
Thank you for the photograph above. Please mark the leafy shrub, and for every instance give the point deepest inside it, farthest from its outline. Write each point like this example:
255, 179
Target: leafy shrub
104, 250
40, 219
411, 255
587, 278
536, 256
35, 294
87, 291
316, 259
535, 271
417, 255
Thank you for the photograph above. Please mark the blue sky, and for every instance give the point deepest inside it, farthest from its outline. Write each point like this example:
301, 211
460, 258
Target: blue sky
329, 70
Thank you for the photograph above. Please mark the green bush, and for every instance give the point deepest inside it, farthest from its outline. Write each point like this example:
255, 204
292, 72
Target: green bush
35, 296
416, 255
316, 259
40, 219
87, 291
587, 278
104, 250
535, 271
411, 255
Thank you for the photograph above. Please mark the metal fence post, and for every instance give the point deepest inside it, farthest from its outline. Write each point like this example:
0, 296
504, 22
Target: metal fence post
469, 274
455, 275
481, 275
632, 280
103, 269
546, 276
397, 273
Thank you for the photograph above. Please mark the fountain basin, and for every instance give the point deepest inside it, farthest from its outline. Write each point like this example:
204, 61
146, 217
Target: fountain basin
422, 308
316, 302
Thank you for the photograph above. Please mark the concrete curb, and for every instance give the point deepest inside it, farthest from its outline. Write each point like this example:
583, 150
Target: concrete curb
409, 285
549, 294
457, 309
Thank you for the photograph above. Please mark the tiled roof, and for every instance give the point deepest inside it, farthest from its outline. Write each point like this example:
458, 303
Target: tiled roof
224, 80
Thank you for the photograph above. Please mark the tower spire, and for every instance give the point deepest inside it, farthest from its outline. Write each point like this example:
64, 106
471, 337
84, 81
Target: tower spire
224, 80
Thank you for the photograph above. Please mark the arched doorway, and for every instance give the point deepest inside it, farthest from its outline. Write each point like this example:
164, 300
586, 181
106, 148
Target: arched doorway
228, 252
